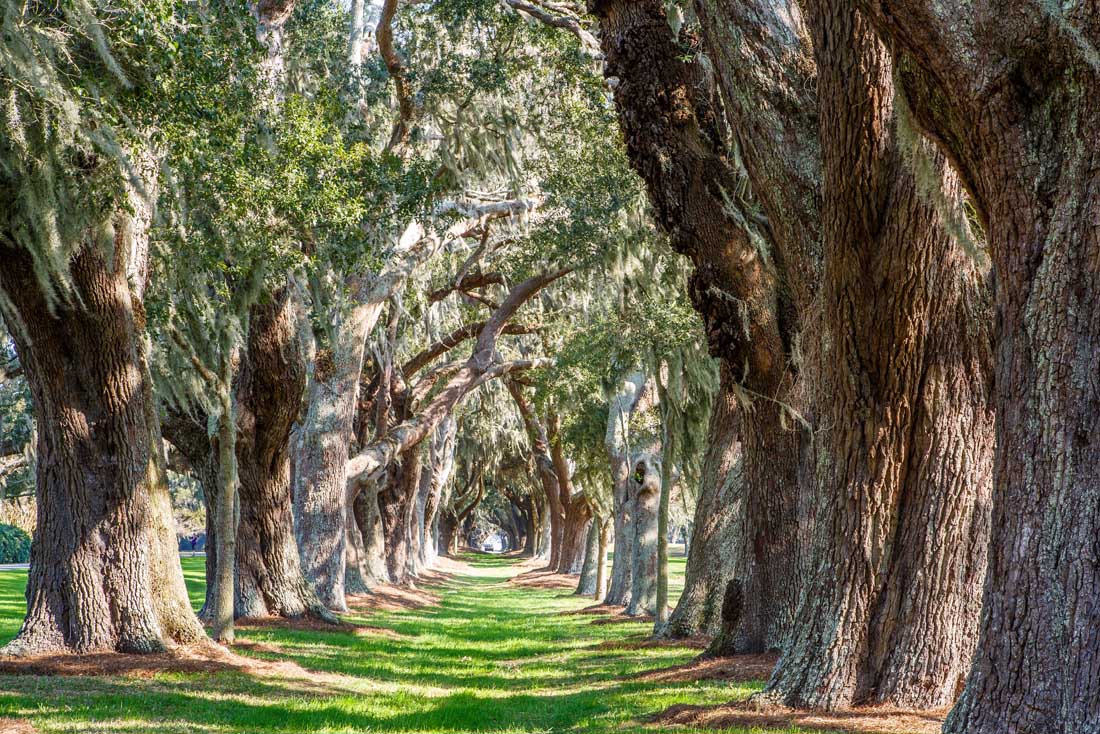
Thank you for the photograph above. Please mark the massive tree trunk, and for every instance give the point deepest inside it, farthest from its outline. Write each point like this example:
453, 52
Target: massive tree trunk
321, 513
1010, 91
752, 280
645, 490
713, 556
269, 397
902, 525
773, 534
105, 571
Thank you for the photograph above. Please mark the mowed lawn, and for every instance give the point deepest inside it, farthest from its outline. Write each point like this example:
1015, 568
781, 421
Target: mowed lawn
491, 657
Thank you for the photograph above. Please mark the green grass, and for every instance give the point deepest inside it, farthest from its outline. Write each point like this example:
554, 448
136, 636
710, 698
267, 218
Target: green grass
492, 657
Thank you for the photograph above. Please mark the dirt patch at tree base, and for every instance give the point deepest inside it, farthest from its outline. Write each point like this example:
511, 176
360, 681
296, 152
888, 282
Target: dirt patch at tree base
544, 578
747, 714
623, 619
390, 598
15, 726
201, 658
611, 609
645, 642
735, 668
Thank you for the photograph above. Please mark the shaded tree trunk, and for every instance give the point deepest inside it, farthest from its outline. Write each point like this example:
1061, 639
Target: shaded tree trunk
365, 545
269, 396
601, 558
105, 571
900, 546
395, 504
770, 563
713, 555
622, 563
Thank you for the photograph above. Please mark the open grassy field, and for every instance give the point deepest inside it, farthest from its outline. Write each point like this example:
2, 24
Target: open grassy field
491, 657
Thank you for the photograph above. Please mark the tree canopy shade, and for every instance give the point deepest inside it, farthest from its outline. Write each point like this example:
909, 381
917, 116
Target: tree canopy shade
804, 285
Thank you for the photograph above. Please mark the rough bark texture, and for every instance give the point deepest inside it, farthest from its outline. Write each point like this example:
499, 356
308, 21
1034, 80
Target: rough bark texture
645, 489
631, 396
365, 545
321, 514
586, 585
1009, 91
395, 502
104, 573
712, 558
774, 532
902, 521
269, 397
622, 563
752, 279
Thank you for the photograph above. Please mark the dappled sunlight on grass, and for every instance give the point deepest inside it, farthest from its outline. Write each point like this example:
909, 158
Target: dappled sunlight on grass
490, 657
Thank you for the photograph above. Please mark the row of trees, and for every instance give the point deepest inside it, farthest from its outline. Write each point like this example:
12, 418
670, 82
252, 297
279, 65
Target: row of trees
264, 242
260, 244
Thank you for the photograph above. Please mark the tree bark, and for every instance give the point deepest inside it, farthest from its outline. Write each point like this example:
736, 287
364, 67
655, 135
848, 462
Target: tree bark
586, 584
321, 513
752, 279
601, 558
365, 547
713, 556
622, 563
395, 503
270, 384
104, 571
890, 611
1009, 92
645, 488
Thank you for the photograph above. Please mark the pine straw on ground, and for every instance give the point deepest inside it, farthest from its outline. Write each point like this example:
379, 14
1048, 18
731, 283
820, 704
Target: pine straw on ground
199, 658
612, 609
735, 668
208, 657
15, 726
645, 642
543, 578
746, 714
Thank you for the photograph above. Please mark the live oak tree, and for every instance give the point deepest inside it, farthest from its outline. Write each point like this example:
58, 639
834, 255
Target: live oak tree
1008, 92
76, 249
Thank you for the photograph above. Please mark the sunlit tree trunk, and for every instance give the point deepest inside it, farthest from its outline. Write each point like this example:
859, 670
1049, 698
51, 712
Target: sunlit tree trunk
104, 571
1009, 92
586, 585
645, 488
891, 609
712, 558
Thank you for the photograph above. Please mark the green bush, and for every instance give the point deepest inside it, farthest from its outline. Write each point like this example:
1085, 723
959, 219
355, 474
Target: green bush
15, 545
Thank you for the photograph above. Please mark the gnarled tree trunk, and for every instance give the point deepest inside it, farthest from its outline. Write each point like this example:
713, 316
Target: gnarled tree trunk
1009, 91
105, 571
269, 397
890, 611
645, 489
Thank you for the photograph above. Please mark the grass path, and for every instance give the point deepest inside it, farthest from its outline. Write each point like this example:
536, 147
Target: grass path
491, 657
